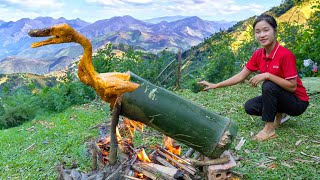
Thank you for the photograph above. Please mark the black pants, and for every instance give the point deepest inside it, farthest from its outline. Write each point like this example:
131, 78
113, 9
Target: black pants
273, 100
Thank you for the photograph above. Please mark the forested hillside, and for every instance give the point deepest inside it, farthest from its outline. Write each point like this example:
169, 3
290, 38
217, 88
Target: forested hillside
225, 53
217, 58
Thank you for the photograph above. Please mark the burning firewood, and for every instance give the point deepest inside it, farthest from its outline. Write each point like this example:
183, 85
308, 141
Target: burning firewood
157, 172
182, 166
164, 162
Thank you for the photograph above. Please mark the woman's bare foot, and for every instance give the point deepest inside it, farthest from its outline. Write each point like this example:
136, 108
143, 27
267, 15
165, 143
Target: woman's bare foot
268, 132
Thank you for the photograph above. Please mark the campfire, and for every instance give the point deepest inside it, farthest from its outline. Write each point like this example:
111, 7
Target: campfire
164, 162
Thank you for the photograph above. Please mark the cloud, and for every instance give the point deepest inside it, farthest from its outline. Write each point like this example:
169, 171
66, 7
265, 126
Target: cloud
19, 14
13, 10
103, 2
92, 10
138, 1
181, 7
120, 2
35, 3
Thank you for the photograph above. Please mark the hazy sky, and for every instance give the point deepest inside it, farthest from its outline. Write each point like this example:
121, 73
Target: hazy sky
93, 10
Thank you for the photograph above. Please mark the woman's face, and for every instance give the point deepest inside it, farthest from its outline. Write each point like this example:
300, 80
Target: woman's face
265, 34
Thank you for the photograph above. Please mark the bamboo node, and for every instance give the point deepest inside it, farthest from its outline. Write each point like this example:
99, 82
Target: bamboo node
225, 139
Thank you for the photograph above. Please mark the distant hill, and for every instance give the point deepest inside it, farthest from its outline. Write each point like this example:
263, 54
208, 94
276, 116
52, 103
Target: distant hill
165, 18
16, 44
11, 83
14, 35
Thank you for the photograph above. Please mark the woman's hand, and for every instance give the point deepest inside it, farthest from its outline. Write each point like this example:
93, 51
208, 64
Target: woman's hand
208, 85
255, 80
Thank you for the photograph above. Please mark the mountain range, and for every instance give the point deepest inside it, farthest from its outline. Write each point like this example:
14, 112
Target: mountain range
171, 33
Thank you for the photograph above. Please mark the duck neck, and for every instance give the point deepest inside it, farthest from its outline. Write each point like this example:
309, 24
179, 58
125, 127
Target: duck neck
86, 72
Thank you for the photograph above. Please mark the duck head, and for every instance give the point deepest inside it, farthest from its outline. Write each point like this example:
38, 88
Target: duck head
60, 33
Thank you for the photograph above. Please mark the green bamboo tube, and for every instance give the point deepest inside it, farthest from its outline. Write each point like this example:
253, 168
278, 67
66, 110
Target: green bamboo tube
178, 118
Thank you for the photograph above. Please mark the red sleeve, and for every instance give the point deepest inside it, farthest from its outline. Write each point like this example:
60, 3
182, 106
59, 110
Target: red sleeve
288, 66
252, 64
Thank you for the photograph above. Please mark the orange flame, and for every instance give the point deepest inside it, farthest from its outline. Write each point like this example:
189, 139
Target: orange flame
133, 126
168, 143
142, 156
139, 175
119, 138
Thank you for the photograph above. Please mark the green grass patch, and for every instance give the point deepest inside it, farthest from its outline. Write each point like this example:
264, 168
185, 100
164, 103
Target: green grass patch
32, 150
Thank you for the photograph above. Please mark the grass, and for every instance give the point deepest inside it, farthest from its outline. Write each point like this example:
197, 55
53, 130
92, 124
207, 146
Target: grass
61, 138
280, 158
32, 150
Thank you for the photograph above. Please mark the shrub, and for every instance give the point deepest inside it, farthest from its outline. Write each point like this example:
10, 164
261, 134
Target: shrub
64, 95
16, 115
16, 109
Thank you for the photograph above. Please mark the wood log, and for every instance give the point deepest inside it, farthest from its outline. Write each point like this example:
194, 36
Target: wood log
164, 162
167, 164
114, 122
172, 172
94, 157
155, 171
175, 116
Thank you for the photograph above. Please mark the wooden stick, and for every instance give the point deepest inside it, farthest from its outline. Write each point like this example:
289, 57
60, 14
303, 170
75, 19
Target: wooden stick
114, 122
99, 153
210, 162
314, 157
164, 150
94, 157
314, 141
188, 153
30, 147
186, 168
164, 162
